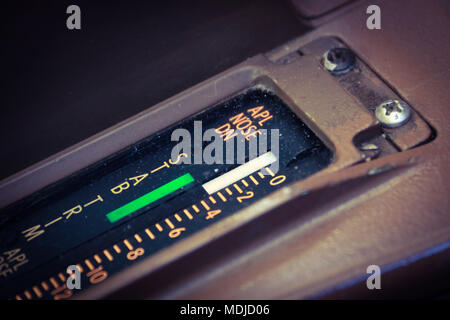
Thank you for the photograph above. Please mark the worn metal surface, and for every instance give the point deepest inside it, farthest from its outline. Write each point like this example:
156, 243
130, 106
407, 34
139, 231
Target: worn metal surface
318, 12
403, 215
324, 231
380, 212
388, 219
311, 9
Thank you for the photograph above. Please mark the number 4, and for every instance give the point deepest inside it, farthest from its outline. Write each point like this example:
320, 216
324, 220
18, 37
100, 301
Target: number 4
212, 214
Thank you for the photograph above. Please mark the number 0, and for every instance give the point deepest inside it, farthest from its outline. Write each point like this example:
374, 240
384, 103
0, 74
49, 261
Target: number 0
277, 180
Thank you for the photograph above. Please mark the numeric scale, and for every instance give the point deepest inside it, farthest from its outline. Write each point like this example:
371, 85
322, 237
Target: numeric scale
142, 200
123, 203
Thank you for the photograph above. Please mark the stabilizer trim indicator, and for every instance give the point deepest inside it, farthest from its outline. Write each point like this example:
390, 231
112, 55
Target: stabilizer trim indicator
141, 200
150, 197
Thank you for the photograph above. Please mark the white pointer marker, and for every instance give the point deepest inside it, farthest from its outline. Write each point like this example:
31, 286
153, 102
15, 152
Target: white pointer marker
239, 173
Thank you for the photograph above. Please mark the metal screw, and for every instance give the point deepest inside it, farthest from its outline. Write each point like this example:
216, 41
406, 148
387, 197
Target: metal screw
339, 60
393, 113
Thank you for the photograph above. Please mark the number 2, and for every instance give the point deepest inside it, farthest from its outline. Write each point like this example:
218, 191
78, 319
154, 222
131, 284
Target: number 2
249, 194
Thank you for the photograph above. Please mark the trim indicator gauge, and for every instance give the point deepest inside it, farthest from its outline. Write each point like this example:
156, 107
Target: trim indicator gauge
154, 193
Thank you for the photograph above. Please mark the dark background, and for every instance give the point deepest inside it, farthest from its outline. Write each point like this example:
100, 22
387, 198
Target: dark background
62, 86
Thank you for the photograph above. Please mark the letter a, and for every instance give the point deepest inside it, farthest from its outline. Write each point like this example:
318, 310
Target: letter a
374, 280
374, 20
74, 20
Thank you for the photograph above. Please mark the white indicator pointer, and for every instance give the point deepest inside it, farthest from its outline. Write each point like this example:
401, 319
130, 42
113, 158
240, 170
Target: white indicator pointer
239, 173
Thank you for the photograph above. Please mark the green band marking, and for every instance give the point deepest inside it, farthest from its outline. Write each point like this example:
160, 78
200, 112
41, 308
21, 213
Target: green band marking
150, 197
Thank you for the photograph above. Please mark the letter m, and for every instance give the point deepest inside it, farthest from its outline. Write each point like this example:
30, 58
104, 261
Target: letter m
229, 310
33, 232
